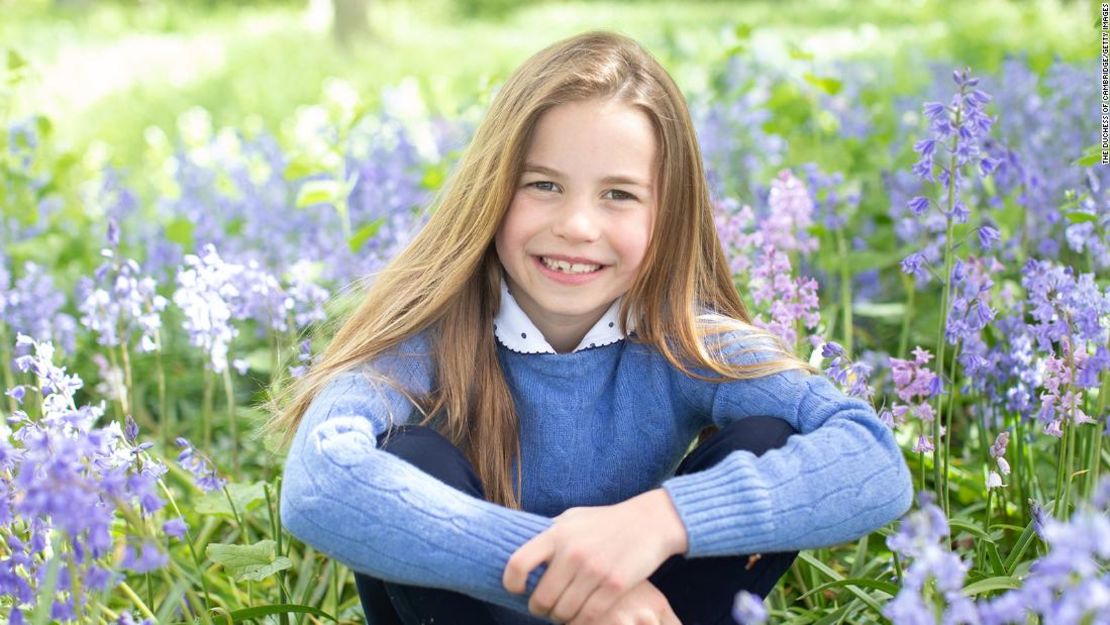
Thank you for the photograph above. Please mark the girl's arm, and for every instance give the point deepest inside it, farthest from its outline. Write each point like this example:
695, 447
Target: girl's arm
842, 477
381, 516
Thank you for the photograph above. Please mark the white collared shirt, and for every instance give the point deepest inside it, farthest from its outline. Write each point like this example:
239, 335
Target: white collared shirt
515, 329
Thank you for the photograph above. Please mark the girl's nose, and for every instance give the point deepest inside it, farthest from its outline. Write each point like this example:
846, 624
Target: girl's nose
578, 220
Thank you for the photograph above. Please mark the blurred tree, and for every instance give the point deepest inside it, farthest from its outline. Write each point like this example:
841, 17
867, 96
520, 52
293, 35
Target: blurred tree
350, 20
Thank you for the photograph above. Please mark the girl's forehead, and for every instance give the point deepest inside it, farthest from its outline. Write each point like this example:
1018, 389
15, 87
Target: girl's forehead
589, 133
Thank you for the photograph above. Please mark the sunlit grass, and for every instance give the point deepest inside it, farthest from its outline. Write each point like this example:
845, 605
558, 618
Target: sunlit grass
108, 72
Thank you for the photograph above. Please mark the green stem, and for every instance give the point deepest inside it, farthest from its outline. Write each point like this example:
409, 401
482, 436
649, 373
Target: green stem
230, 394
921, 459
128, 386
189, 543
948, 419
938, 482
904, 342
953, 171
235, 512
987, 520
1093, 463
1019, 466
149, 589
275, 528
5, 365
122, 409
134, 597
163, 412
1061, 468
845, 291
1068, 472
335, 586
206, 410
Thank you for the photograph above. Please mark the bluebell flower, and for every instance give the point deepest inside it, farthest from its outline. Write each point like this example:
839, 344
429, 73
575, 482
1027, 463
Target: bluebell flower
915, 265
748, 609
207, 479
175, 527
71, 477
988, 236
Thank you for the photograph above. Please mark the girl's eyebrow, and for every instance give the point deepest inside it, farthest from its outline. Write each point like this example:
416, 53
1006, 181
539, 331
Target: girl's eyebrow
547, 171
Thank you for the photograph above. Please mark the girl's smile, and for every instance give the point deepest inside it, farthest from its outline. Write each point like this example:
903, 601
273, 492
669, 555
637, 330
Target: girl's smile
569, 276
581, 217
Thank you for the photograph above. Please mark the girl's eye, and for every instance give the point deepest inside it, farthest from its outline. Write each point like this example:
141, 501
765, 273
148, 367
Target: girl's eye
622, 195
539, 185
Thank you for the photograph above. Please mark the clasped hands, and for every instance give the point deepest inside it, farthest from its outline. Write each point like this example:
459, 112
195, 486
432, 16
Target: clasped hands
598, 556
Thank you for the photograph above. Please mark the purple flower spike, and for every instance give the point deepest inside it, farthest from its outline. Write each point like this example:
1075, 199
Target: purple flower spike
200, 466
175, 527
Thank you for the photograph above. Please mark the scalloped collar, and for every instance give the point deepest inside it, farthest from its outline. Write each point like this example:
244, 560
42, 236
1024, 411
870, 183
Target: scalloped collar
515, 330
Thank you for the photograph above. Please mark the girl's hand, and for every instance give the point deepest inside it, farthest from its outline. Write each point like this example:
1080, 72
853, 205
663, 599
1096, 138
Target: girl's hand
643, 605
595, 555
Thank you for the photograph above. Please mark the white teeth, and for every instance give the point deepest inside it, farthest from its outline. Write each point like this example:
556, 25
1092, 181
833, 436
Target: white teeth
566, 267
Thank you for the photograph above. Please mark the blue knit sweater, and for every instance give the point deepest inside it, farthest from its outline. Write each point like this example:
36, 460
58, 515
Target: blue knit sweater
597, 427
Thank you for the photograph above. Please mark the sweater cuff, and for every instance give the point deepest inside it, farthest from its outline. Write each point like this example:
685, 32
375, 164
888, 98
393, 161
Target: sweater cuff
517, 528
726, 509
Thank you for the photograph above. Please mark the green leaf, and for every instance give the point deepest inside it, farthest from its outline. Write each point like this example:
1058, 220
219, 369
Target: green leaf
864, 260
169, 604
234, 227
1091, 156
808, 558
180, 231
880, 310
44, 126
991, 584
247, 614
994, 559
861, 582
969, 527
434, 176
318, 192
1019, 549
798, 54
830, 86
743, 31
15, 61
248, 562
365, 233
835, 617
301, 167
736, 50
1077, 217
245, 496
860, 558
259, 360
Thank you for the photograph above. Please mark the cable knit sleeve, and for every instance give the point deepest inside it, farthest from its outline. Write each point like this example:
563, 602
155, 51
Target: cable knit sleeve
843, 475
380, 515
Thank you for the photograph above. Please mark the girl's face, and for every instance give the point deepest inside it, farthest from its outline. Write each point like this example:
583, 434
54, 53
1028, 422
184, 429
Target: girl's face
587, 194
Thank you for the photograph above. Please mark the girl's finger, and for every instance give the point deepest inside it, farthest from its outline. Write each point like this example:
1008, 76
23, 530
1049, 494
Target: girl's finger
584, 596
600, 601
521, 563
554, 583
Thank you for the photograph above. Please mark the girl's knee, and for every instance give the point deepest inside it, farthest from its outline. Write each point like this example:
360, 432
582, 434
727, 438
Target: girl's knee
755, 434
758, 434
431, 452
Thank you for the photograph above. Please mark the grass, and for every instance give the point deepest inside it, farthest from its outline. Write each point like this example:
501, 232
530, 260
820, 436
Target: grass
106, 72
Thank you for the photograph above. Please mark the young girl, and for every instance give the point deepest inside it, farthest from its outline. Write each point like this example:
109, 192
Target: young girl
566, 325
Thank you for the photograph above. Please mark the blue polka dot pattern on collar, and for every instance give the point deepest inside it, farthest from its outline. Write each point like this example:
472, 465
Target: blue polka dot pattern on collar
516, 331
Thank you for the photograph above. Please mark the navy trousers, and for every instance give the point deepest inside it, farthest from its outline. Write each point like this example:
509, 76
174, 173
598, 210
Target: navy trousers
699, 590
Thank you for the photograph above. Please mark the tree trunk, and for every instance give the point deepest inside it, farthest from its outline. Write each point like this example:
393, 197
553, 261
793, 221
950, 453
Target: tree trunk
351, 20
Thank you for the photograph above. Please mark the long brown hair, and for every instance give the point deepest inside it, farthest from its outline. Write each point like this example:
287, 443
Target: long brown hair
448, 278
